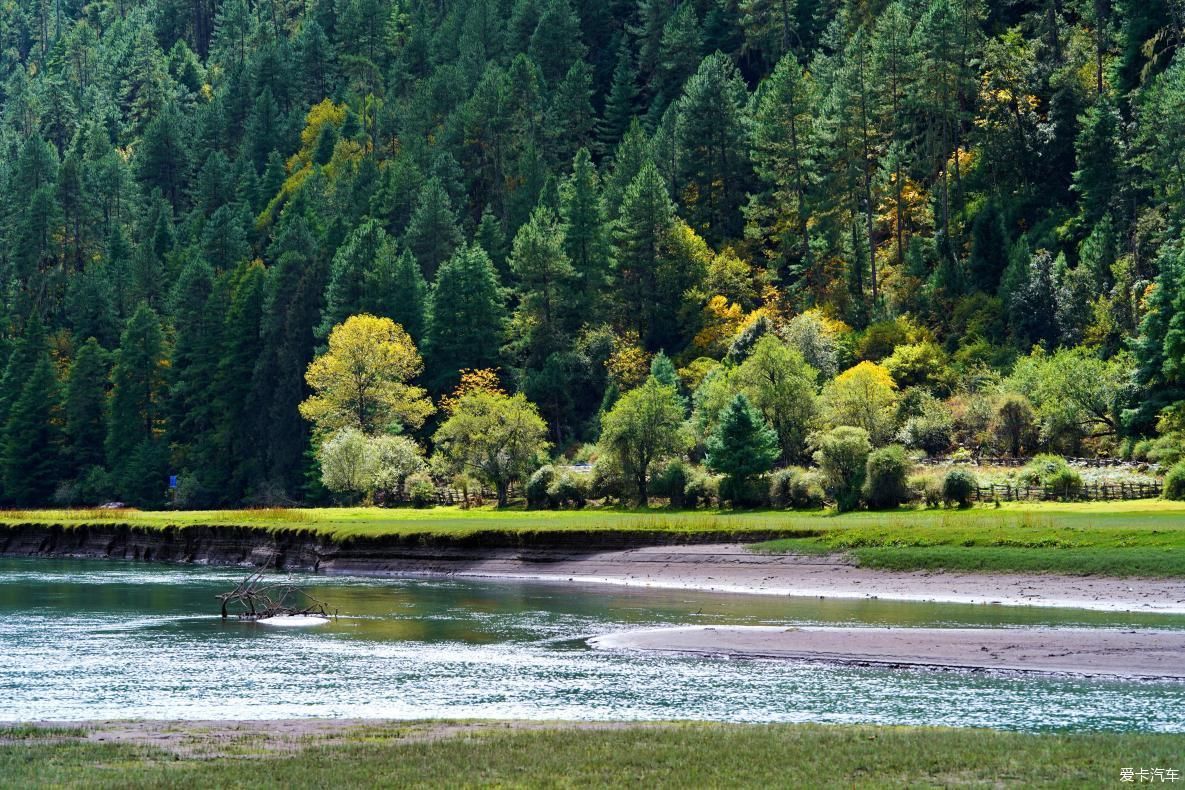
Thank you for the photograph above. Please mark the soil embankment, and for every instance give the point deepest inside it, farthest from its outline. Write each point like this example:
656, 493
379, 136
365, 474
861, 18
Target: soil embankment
642, 558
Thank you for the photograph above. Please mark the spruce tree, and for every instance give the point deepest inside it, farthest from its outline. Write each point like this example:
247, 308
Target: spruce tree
586, 235
467, 317
85, 407
647, 216
31, 455
136, 455
743, 447
619, 103
712, 160
545, 277
432, 234
348, 292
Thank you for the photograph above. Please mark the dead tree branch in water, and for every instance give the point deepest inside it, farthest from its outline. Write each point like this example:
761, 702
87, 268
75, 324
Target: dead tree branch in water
253, 599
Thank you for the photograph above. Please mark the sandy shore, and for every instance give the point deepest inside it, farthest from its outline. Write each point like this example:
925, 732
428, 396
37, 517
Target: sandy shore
733, 568
1093, 652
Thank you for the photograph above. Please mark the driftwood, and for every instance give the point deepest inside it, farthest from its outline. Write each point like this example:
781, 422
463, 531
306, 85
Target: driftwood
253, 599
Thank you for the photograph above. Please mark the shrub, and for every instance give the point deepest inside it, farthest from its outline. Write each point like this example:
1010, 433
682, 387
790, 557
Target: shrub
421, 491
702, 488
928, 489
608, 481
537, 486
1065, 483
1174, 482
569, 488
1042, 469
795, 488
671, 482
742, 492
958, 486
841, 455
885, 477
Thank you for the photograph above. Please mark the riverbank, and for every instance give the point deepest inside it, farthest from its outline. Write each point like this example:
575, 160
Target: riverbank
637, 558
1127, 654
317, 753
1116, 539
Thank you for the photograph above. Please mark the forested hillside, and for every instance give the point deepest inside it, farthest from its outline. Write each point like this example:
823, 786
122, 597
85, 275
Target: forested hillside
726, 225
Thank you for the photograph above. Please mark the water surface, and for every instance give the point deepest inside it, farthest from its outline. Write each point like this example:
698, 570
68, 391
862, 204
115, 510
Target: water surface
93, 640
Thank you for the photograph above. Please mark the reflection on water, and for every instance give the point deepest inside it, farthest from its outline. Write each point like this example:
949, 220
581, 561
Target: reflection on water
89, 640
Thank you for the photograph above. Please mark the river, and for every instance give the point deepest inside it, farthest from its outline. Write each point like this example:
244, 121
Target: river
90, 639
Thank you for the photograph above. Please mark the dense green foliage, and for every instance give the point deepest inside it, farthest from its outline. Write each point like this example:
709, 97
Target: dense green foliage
948, 223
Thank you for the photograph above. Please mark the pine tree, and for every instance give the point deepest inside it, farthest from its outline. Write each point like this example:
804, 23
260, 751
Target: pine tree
136, 455
21, 359
742, 447
545, 277
647, 216
432, 234
713, 167
161, 157
680, 53
234, 471
492, 238
1097, 178
348, 292
556, 42
570, 117
85, 407
197, 307
586, 236
466, 319
396, 289
619, 103
784, 156
31, 455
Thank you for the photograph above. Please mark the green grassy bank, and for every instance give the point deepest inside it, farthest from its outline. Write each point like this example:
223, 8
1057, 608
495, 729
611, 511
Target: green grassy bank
1138, 538
676, 755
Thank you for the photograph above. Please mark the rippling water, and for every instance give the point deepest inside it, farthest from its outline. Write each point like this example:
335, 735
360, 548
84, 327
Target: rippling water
93, 640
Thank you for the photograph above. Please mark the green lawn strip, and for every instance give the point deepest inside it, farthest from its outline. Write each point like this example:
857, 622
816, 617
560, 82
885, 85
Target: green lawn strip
1142, 538
1122, 541
677, 755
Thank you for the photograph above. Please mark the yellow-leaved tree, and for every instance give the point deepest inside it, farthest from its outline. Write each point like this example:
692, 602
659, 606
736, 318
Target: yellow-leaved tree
361, 381
864, 396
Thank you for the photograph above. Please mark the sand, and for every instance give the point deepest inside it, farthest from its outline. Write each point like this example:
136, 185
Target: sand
1091, 652
733, 568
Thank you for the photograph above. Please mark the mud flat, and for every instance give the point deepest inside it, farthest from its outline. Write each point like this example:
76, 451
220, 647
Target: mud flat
1146, 655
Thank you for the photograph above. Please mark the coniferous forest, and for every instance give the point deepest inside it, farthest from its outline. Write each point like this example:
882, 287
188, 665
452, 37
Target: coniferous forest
305, 250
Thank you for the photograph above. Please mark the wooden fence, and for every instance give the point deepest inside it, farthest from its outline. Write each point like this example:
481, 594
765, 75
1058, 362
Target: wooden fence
1010, 461
1004, 492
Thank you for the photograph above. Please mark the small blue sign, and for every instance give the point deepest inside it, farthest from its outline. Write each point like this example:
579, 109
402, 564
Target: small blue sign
172, 481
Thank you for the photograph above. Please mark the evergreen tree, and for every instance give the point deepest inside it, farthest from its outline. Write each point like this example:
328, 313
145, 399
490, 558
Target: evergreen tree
352, 275
545, 276
619, 103
31, 459
466, 318
85, 408
432, 234
136, 455
586, 236
647, 216
492, 238
742, 447
713, 166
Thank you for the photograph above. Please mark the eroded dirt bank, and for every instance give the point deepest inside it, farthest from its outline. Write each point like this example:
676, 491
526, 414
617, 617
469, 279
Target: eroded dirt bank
663, 559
